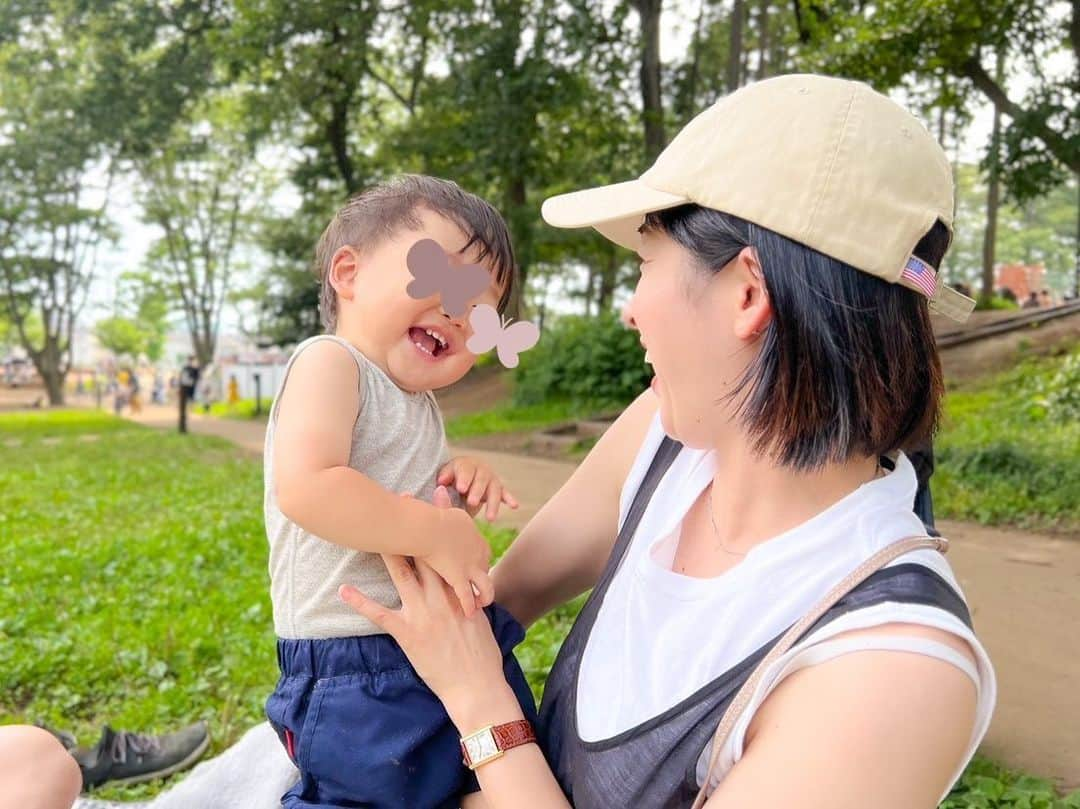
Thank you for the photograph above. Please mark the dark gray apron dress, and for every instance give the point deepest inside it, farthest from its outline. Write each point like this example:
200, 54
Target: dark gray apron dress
653, 765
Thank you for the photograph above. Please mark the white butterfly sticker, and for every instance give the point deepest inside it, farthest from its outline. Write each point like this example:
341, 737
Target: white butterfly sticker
490, 331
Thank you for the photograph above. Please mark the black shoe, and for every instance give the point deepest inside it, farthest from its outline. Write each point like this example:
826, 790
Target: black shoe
131, 758
65, 738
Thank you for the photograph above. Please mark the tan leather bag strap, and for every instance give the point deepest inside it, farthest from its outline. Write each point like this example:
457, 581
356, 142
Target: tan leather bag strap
849, 583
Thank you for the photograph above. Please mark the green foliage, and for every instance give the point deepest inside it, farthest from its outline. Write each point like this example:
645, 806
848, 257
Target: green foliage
509, 418
243, 410
1006, 455
996, 303
203, 190
585, 360
122, 336
986, 785
1039, 231
1060, 394
115, 609
949, 46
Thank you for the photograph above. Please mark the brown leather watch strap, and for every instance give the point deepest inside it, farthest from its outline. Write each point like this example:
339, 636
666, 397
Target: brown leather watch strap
513, 734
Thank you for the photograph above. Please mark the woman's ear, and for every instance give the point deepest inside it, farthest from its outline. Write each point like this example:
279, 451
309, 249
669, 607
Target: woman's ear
755, 310
344, 266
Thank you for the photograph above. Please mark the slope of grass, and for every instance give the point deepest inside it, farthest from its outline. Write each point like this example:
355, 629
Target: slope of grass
1009, 450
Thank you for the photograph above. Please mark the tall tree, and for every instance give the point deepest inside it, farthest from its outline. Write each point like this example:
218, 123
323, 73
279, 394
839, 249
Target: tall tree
83, 87
202, 188
51, 217
735, 46
652, 104
993, 194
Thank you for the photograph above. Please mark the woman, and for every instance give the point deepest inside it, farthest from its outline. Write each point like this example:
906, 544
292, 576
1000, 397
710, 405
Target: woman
789, 237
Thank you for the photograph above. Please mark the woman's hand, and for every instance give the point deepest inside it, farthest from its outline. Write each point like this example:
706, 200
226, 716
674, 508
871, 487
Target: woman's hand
456, 656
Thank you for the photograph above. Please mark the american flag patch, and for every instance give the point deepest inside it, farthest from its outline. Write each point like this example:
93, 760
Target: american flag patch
921, 275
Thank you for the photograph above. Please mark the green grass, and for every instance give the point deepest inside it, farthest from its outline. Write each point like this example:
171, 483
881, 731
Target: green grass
510, 418
986, 785
243, 410
133, 581
133, 590
1004, 457
132, 578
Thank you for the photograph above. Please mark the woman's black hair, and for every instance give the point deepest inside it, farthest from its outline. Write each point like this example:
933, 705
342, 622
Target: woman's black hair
848, 365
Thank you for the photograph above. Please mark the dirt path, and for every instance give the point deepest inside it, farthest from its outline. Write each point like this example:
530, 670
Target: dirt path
1023, 589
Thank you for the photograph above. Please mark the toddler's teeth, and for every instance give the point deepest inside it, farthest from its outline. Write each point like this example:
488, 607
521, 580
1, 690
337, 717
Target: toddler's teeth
647, 360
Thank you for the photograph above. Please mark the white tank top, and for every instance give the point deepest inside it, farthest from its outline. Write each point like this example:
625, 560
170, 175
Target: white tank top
652, 616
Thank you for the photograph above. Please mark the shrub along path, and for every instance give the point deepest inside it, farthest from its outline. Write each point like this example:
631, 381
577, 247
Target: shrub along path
1023, 589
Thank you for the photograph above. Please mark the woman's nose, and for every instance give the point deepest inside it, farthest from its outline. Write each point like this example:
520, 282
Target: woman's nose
627, 315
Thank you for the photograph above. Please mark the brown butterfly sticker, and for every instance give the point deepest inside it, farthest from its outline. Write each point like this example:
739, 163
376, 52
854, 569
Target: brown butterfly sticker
432, 273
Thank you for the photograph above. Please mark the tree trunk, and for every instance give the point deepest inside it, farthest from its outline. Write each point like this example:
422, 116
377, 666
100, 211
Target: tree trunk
735, 46
763, 39
1076, 246
608, 274
590, 289
652, 111
50, 367
993, 198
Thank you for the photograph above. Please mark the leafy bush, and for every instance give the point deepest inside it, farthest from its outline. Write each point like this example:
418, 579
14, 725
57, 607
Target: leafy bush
594, 360
996, 302
1008, 449
243, 410
985, 785
1060, 395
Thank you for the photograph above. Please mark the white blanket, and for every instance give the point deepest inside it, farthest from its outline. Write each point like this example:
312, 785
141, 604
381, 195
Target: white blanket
252, 774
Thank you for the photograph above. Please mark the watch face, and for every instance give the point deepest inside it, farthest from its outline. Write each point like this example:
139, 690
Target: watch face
481, 746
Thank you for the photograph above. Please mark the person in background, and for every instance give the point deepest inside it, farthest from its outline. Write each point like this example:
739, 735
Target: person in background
134, 400
234, 391
189, 382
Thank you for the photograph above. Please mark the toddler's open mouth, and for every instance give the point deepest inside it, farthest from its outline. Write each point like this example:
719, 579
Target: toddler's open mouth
429, 341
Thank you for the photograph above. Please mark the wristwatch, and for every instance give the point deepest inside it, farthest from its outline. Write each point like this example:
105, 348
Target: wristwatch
488, 744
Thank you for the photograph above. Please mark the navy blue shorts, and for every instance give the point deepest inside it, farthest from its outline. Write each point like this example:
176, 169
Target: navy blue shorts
365, 731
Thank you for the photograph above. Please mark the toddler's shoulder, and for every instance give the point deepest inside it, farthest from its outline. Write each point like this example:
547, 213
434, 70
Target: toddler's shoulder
324, 369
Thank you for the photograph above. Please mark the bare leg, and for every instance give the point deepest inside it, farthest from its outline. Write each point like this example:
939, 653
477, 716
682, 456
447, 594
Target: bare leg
36, 772
474, 800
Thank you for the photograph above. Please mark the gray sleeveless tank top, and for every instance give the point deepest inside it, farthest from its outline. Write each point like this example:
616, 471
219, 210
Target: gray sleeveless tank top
399, 442
654, 765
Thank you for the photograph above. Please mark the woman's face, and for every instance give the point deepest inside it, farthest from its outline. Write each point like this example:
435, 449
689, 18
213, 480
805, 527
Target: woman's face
698, 329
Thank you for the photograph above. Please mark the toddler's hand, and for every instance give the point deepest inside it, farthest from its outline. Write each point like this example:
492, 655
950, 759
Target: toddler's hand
477, 484
461, 555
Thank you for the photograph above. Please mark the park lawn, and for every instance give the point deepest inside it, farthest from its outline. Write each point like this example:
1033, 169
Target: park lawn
134, 585
1004, 457
507, 417
134, 590
243, 410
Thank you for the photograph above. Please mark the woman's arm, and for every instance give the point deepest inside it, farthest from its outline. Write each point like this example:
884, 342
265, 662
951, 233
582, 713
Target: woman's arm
871, 728
561, 552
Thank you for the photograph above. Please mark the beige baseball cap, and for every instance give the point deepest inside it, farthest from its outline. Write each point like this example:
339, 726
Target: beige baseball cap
827, 162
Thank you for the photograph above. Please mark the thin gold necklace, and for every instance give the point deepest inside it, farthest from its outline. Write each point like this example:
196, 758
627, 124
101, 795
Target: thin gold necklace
716, 531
